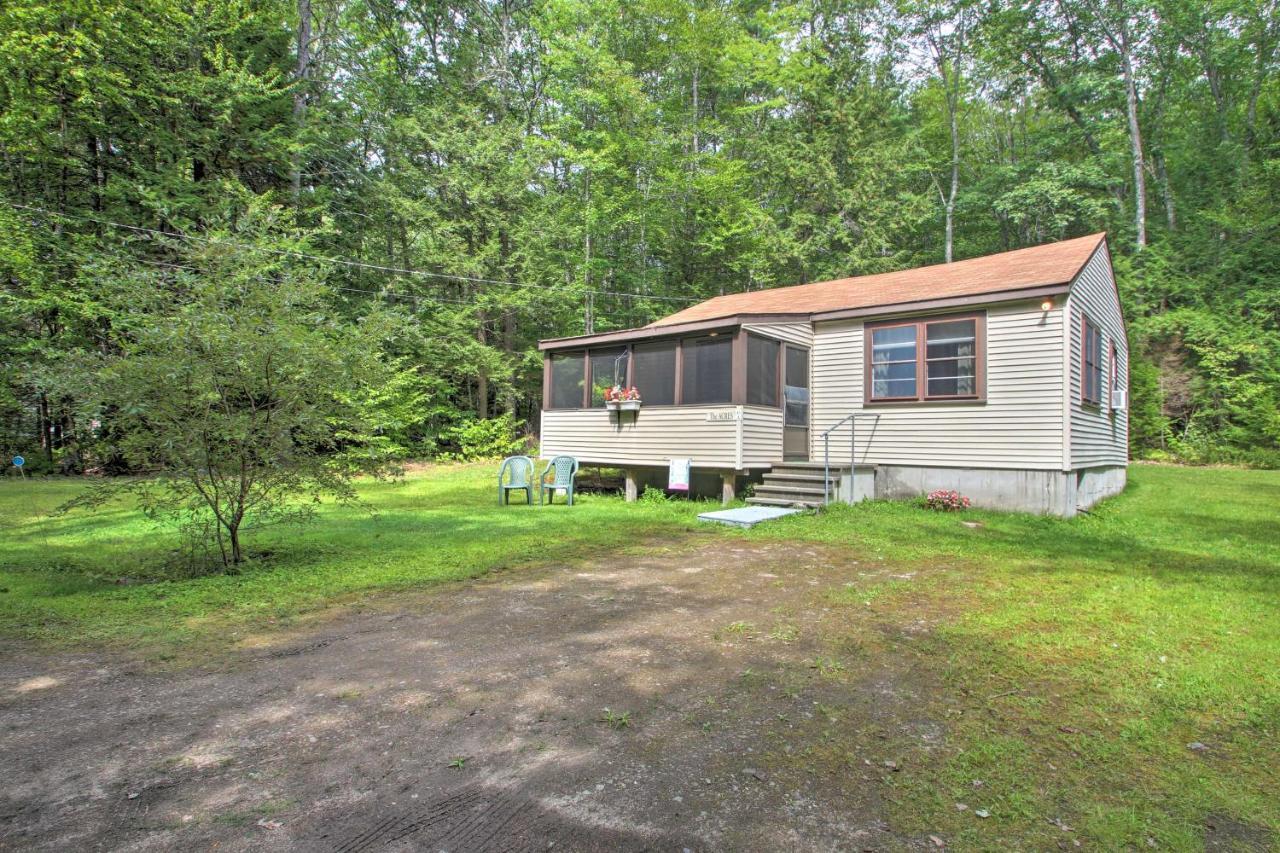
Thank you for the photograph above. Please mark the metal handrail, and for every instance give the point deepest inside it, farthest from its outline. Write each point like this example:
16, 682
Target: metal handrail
852, 419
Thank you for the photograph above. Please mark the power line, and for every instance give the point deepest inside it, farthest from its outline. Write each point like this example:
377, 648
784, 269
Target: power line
347, 262
414, 297
388, 294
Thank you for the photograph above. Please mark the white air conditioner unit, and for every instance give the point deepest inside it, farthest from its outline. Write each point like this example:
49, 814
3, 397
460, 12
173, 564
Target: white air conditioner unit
1119, 399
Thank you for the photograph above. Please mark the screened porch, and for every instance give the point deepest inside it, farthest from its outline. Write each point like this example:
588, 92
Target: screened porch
726, 398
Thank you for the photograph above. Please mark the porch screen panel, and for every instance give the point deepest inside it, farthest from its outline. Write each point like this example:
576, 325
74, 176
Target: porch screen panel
608, 368
567, 375
653, 370
951, 359
707, 375
762, 371
893, 363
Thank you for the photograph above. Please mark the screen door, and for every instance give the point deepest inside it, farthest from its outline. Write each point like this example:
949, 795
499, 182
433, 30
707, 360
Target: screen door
795, 397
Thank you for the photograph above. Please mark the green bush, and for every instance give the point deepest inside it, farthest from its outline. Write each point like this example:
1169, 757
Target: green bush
1197, 449
489, 438
34, 463
654, 495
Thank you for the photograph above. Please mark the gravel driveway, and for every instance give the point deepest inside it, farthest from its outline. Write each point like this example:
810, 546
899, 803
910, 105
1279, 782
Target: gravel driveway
474, 718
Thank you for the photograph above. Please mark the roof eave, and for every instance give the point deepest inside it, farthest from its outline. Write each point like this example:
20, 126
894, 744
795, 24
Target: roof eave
737, 319
1010, 295
668, 331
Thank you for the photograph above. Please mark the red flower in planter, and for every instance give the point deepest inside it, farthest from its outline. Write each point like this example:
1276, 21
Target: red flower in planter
618, 394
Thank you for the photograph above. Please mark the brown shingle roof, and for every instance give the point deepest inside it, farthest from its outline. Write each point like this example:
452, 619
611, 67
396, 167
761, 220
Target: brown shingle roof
1038, 266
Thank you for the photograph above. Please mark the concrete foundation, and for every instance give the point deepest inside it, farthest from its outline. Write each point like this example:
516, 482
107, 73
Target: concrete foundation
1094, 484
1061, 493
857, 485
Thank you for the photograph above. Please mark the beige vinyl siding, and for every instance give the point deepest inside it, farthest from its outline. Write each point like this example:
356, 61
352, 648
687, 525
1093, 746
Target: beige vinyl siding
800, 334
751, 436
761, 436
1019, 426
1098, 437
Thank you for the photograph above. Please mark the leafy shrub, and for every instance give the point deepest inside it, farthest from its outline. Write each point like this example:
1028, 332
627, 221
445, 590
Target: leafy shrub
491, 438
946, 500
245, 396
1198, 449
654, 495
35, 462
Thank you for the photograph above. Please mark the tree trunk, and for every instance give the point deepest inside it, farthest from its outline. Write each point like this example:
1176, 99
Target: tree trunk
948, 55
99, 179
1166, 190
46, 429
955, 178
509, 349
233, 533
695, 114
1265, 49
1135, 140
300, 94
482, 381
588, 319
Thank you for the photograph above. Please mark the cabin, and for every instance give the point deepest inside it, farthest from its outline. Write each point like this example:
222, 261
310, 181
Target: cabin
1002, 377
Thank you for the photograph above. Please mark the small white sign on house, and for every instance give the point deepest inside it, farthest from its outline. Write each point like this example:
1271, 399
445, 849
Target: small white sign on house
726, 415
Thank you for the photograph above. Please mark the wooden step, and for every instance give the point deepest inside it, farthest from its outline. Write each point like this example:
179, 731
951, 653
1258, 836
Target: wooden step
790, 477
787, 498
797, 484
785, 489
807, 470
807, 466
785, 502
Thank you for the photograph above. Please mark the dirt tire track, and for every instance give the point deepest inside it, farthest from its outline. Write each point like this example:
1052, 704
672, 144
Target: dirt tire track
328, 741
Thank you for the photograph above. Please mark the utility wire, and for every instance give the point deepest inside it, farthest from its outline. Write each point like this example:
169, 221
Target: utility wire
389, 294
347, 262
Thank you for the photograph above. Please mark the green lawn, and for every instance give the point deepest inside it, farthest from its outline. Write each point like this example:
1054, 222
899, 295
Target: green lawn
62, 574
1070, 662
1076, 661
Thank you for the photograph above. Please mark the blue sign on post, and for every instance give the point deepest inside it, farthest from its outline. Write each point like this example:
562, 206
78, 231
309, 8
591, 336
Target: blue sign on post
19, 461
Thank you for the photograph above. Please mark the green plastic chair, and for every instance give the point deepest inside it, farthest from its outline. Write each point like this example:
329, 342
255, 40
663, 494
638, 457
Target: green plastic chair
565, 468
518, 471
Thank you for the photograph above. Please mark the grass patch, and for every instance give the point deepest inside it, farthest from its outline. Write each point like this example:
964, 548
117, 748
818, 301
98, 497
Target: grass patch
96, 577
1065, 665
1073, 661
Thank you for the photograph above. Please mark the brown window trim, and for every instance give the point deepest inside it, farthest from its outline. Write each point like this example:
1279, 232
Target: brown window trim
922, 376
1113, 376
1085, 400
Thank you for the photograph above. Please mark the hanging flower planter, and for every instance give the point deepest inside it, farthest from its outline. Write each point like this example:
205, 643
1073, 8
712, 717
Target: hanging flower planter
619, 399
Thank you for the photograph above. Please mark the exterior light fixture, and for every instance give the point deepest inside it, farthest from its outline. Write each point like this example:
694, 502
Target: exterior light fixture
1047, 305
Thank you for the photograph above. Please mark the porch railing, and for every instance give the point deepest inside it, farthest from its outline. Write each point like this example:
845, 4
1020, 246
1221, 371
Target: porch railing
852, 420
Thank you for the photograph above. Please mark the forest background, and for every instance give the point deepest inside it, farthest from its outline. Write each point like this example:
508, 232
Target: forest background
454, 181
